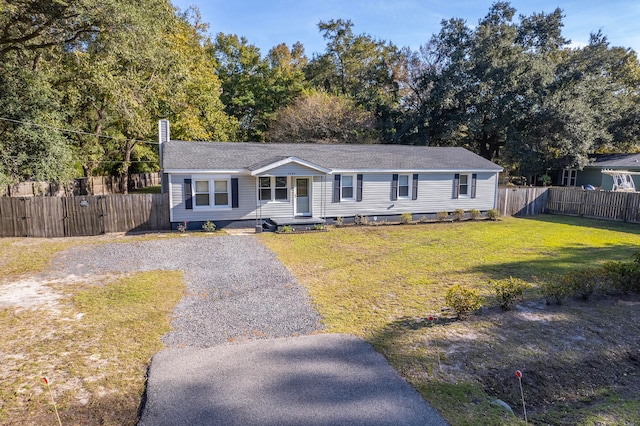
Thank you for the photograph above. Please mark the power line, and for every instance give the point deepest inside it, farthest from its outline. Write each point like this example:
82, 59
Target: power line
17, 157
70, 131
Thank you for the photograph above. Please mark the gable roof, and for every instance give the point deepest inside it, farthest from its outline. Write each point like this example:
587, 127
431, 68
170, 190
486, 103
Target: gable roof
618, 161
181, 155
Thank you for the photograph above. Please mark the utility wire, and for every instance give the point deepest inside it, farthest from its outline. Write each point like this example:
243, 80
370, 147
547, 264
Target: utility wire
70, 131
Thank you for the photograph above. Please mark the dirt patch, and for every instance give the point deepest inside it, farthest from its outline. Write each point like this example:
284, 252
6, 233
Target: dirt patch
574, 358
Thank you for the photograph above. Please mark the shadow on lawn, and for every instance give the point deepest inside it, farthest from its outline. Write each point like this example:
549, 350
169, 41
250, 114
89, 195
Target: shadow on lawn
557, 261
608, 225
578, 360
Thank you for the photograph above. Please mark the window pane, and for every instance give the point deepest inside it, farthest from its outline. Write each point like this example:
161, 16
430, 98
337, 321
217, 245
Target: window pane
222, 199
202, 199
202, 186
403, 191
347, 180
281, 182
347, 192
265, 194
281, 194
464, 184
403, 180
220, 186
265, 182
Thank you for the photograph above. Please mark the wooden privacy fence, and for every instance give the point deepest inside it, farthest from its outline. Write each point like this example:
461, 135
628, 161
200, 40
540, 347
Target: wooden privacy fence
522, 201
95, 185
83, 215
620, 206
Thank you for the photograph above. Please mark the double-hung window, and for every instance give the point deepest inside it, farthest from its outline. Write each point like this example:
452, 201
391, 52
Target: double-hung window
463, 186
274, 188
265, 188
281, 189
347, 187
403, 186
569, 177
211, 193
202, 193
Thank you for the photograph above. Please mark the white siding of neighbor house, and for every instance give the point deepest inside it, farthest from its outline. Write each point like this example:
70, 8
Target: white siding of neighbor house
435, 193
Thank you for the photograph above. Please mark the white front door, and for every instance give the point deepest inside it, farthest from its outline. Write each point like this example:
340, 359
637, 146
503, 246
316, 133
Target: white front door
303, 197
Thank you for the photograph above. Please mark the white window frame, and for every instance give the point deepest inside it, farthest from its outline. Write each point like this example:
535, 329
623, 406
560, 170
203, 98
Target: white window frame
211, 181
467, 184
408, 186
569, 177
353, 187
273, 189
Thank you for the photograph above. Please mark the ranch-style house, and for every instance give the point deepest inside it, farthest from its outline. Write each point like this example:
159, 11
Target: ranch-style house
274, 184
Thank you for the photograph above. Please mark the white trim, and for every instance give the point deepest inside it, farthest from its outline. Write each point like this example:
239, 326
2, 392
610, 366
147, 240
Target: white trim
294, 185
354, 187
272, 189
409, 185
211, 179
411, 171
170, 200
287, 161
203, 171
468, 185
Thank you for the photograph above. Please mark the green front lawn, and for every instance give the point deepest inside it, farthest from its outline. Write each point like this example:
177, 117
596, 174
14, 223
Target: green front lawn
382, 283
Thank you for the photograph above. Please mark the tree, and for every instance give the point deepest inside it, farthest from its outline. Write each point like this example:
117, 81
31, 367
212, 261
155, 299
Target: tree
319, 117
253, 88
360, 67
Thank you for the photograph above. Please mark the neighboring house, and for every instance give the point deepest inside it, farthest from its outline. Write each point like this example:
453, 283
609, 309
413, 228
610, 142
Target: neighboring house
592, 173
296, 183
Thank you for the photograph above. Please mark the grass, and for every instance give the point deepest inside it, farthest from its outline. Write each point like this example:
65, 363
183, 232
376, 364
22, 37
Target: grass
382, 283
95, 347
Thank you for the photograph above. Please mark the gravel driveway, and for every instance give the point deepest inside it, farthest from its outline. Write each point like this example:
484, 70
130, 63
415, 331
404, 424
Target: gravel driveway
236, 288
238, 291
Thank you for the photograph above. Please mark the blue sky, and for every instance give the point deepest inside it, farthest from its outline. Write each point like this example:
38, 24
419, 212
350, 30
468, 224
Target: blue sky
410, 23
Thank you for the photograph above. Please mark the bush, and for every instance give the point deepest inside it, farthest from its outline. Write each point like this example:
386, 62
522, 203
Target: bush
287, 229
209, 226
183, 226
339, 221
463, 300
458, 214
475, 213
584, 282
624, 276
406, 218
508, 290
360, 219
554, 290
442, 215
493, 214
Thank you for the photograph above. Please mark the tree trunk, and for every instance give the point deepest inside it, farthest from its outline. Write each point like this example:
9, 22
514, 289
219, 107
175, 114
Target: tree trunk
128, 148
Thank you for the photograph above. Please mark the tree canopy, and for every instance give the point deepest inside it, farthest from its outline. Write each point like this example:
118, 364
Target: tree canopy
83, 83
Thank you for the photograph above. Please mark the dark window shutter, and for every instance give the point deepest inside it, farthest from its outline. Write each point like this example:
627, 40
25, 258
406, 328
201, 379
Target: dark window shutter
474, 178
234, 193
359, 189
456, 185
336, 188
394, 187
414, 189
188, 197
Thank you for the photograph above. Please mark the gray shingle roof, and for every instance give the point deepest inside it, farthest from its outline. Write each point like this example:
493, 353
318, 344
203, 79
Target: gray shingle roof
619, 161
180, 155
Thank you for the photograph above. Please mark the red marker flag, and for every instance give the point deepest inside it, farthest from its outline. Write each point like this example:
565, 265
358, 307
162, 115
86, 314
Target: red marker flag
45, 380
430, 318
519, 374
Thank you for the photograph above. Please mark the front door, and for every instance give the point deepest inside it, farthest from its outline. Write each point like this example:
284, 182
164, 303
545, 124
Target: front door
303, 199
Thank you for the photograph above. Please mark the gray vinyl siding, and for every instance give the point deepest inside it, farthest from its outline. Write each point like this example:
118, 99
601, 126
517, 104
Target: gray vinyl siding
435, 193
246, 202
